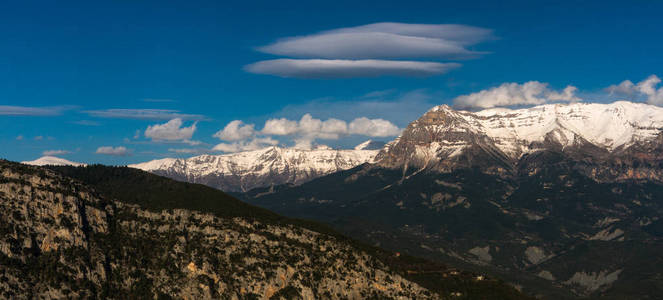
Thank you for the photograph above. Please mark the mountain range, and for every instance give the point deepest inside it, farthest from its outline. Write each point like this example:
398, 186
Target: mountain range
445, 139
563, 200
617, 133
244, 171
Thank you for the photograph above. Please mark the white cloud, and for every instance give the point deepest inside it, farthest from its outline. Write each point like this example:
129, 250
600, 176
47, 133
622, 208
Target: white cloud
384, 40
235, 131
626, 87
310, 128
316, 128
303, 143
567, 94
19, 137
280, 126
646, 88
116, 151
510, 94
373, 128
343, 68
143, 114
39, 138
55, 152
303, 132
170, 131
394, 106
254, 144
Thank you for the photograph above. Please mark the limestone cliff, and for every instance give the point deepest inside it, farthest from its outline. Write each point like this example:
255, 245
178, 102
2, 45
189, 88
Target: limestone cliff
61, 239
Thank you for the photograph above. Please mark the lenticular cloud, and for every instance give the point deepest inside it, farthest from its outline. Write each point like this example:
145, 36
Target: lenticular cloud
384, 40
372, 50
344, 68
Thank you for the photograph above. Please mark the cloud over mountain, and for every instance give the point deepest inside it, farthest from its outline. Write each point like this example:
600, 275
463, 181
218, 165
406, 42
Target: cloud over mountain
645, 88
373, 127
512, 94
234, 131
170, 131
303, 132
253, 144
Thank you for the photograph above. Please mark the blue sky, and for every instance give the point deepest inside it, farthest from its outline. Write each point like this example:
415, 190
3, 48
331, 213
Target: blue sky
63, 66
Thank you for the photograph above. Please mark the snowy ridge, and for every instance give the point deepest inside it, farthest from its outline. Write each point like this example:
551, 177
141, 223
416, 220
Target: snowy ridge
264, 161
609, 126
265, 167
52, 161
370, 145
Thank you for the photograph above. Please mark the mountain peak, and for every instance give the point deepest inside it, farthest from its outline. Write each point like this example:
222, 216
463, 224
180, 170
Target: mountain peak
443, 107
442, 134
52, 161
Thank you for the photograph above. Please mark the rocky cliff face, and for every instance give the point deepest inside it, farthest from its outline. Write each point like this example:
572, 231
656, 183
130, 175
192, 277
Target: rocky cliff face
60, 239
247, 170
442, 140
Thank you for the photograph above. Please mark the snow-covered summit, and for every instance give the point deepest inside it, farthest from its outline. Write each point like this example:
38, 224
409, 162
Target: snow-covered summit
609, 126
52, 161
270, 166
494, 140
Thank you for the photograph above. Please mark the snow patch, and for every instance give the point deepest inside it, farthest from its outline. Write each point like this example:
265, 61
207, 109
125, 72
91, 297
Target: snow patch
535, 255
607, 235
52, 161
606, 221
593, 281
546, 275
483, 253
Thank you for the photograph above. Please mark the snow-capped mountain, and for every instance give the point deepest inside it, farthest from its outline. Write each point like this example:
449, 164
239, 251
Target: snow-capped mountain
260, 168
52, 161
537, 193
444, 138
370, 145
